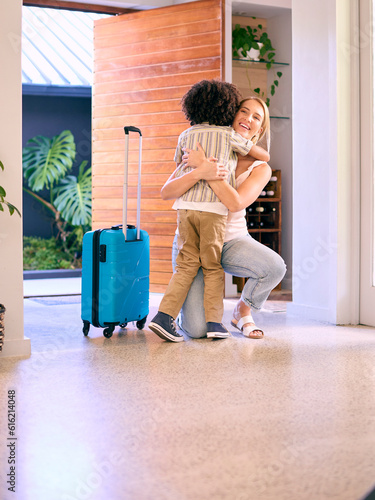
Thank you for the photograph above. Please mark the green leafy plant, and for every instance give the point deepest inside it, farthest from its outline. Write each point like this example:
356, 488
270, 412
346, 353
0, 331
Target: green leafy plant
47, 163
3, 201
244, 39
73, 197
44, 254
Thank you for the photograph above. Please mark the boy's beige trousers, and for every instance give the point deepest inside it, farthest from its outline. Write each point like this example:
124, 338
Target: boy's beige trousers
200, 243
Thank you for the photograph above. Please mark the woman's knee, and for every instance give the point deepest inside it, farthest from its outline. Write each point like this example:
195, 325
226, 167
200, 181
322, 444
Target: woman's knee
279, 267
192, 328
192, 317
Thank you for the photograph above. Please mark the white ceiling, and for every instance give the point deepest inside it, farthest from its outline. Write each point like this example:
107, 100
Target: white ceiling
260, 8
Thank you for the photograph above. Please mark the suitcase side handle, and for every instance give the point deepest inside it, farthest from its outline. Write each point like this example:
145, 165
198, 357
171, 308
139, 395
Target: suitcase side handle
132, 129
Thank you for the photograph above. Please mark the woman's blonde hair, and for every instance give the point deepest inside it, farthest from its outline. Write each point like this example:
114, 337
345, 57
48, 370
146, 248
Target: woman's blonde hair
266, 129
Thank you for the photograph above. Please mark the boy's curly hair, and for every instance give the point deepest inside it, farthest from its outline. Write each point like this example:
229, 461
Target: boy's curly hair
211, 101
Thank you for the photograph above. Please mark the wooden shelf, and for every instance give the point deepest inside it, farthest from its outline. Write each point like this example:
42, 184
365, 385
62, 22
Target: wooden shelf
264, 230
251, 63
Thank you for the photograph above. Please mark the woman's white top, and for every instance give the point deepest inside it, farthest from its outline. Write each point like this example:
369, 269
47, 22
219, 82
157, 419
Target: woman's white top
236, 222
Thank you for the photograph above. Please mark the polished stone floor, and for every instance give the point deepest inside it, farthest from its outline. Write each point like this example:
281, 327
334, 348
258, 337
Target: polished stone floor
289, 417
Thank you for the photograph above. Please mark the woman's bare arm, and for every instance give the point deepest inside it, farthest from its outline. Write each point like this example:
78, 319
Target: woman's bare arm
177, 186
233, 199
247, 192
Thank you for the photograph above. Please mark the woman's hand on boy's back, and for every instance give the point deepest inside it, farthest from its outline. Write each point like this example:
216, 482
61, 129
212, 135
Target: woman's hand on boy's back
206, 168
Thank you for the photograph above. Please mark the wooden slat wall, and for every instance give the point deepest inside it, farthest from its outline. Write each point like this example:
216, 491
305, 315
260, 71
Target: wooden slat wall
143, 64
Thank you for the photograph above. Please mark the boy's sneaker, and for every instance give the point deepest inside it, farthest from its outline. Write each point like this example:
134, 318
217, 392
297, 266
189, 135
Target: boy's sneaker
163, 325
216, 331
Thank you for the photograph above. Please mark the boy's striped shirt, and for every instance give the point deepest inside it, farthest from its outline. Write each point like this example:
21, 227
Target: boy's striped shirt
221, 142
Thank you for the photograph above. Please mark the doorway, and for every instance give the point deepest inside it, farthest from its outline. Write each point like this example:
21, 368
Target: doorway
367, 229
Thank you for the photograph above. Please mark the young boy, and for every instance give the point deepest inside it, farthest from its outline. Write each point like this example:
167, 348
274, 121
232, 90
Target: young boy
210, 106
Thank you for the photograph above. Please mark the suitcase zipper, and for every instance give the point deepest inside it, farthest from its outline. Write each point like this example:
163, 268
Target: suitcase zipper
95, 277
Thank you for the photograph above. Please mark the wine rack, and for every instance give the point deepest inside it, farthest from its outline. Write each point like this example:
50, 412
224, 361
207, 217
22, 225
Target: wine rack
263, 219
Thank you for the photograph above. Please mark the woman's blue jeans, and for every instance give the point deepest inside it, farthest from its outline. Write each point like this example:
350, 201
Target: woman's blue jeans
244, 257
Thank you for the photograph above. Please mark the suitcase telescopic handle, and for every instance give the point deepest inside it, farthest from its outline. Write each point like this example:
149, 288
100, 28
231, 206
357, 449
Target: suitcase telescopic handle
125, 185
132, 129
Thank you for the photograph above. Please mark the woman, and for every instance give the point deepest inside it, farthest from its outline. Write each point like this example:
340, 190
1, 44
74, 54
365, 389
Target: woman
242, 255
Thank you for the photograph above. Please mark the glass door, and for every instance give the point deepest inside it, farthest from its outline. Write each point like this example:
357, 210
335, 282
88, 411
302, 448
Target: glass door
367, 274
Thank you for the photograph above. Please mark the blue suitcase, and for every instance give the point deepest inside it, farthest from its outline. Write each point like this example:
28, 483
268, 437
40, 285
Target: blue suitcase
116, 268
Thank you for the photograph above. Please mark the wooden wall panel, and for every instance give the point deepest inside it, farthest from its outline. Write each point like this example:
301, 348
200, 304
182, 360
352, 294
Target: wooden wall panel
143, 64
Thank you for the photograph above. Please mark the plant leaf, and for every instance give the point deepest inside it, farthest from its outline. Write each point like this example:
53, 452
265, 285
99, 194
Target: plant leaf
257, 90
45, 161
279, 74
11, 207
1, 165
73, 197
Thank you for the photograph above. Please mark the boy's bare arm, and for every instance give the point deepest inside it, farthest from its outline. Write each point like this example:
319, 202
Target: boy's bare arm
259, 154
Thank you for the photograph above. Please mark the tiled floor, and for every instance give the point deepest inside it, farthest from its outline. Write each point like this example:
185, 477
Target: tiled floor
289, 417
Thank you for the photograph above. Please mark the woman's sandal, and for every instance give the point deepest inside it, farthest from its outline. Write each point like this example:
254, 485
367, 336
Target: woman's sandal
247, 331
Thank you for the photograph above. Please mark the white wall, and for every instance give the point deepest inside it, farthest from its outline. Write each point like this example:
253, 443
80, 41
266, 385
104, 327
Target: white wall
315, 159
321, 170
11, 267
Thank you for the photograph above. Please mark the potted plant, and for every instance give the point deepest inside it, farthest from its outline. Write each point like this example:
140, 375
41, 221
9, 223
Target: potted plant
12, 209
246, 43
254, 44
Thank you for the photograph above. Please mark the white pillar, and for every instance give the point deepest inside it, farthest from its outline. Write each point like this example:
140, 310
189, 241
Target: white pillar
325, 161
11, 267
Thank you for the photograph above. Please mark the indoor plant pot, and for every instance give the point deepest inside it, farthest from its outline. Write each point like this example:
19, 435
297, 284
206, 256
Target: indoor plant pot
253, 54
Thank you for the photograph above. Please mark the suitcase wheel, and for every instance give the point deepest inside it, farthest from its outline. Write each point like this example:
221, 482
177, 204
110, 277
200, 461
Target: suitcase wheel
86, 328
141, 323
107, 332
123, 325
